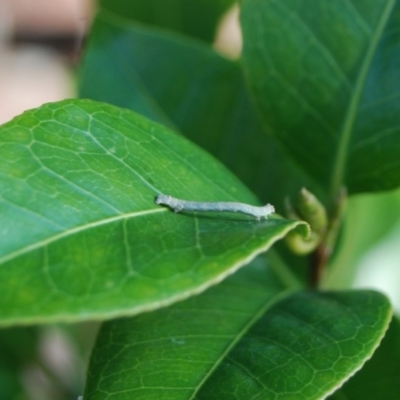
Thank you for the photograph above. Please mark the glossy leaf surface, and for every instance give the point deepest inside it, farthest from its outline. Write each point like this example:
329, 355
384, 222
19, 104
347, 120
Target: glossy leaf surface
198, 18
326, 79
236, 342
111, 46
81, 235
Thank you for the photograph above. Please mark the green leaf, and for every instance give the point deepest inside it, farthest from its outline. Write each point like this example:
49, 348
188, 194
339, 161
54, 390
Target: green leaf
306, 346
198, 91
197, 18
236, 341
112, 47
380, 377
169, 353
326, 79
81, 235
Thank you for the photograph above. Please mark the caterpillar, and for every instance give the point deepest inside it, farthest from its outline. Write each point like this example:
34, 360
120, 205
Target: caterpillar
184, 205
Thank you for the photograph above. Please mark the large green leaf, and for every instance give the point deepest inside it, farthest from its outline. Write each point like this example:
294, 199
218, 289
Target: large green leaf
232, 342
198, 18
188, 85
81, 235
327, 79
380, 377
169, 353
304, 347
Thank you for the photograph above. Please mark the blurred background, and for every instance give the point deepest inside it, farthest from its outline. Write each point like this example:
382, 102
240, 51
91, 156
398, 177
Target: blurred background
40, 44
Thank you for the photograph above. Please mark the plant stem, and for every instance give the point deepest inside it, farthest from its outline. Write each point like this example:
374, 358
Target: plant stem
320, 257
318, 260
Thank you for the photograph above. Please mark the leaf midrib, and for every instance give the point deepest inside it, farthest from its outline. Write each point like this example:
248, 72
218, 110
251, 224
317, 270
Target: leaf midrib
257, 315
76, 229
351, 115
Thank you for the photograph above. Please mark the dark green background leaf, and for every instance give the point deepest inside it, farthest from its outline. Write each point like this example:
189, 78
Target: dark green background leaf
198, 18
198, 91
326, 79
81, 235
112, 47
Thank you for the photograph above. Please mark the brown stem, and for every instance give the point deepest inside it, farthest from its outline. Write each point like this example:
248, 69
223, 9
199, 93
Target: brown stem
318, 260
320, 257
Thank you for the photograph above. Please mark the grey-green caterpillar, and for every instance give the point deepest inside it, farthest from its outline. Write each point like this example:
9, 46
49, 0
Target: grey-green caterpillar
184, 205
